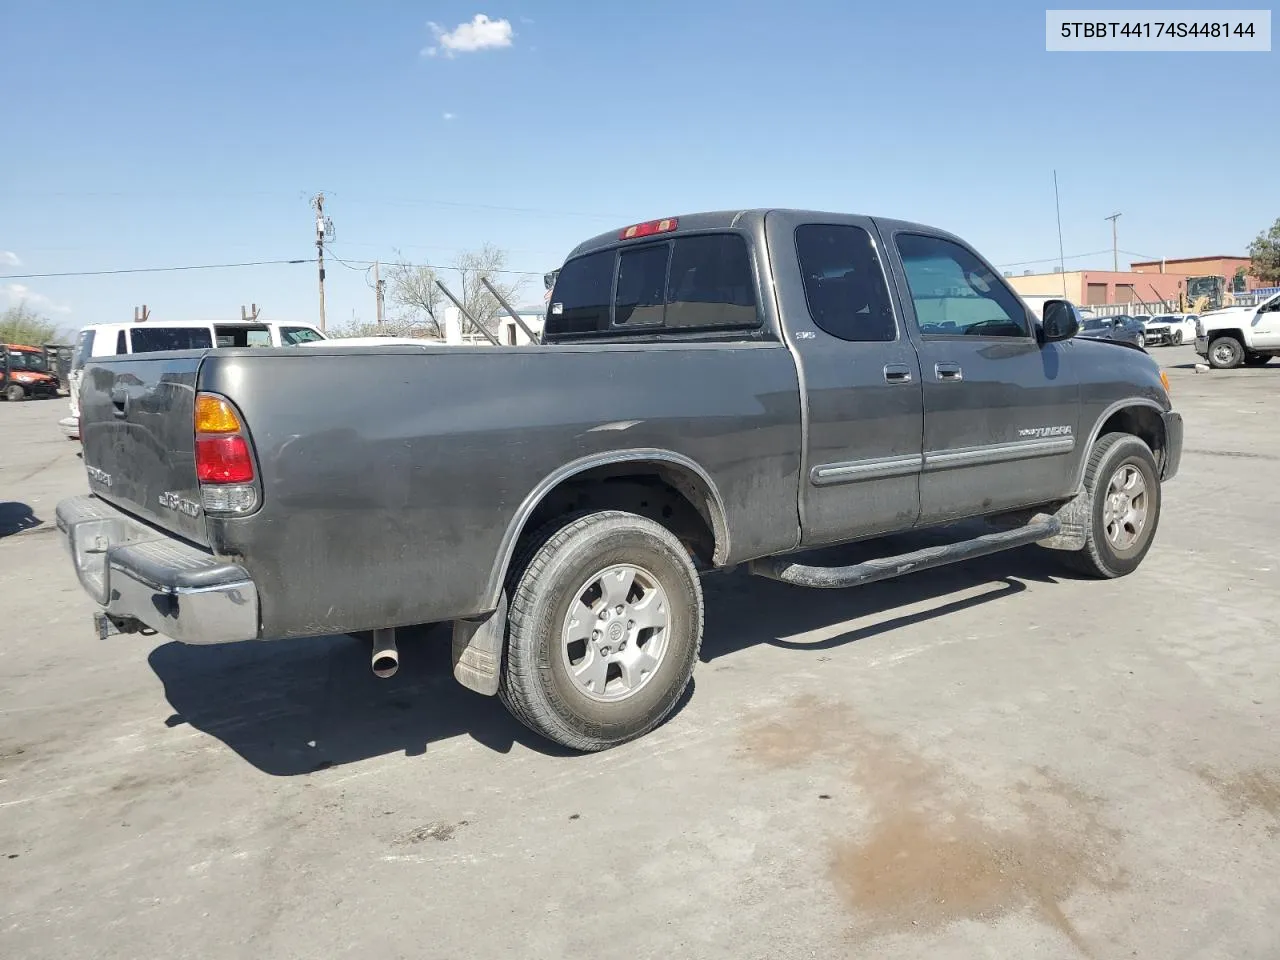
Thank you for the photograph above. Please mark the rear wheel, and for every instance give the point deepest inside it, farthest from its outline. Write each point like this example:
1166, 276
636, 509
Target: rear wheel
14, 392
1142, 340
603, 632
1123, 484
1226, 353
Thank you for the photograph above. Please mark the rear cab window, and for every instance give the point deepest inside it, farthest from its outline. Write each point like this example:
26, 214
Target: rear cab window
242, 335
292, 336
153, 339
699, 282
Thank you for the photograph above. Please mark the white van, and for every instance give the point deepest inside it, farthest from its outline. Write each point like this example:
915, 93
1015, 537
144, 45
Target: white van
148, 336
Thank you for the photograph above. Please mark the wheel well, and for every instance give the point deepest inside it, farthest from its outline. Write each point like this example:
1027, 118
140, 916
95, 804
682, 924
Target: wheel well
665, 493
1233, 334
1145, 423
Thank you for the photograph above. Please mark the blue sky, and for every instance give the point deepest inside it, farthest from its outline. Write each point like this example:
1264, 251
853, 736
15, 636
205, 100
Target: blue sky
154, 134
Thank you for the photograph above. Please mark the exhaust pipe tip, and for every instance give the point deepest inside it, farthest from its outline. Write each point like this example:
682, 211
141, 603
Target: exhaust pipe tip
386, 657
385, 664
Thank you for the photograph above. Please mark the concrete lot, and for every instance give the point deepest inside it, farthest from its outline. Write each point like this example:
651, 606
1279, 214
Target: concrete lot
994, 760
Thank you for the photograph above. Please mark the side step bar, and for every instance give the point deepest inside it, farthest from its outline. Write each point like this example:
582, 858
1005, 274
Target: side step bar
885, 568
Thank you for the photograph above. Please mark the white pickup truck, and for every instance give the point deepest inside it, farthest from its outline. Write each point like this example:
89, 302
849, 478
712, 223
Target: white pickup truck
1240, 335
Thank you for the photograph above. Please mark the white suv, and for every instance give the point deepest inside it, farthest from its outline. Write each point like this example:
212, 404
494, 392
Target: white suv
112, 339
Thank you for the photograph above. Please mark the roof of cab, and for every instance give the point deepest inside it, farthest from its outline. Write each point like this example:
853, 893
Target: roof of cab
736, 219
237, 322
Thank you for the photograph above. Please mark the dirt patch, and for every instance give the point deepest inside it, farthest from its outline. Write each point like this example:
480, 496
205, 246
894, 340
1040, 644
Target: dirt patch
930, 852
1254, 790
439, 832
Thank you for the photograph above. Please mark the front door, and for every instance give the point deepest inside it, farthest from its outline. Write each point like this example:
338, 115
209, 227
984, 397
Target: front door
858, 373
1266, 325
1001, 410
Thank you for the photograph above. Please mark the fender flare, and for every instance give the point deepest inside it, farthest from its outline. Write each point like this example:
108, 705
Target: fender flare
506, 550
1106, 415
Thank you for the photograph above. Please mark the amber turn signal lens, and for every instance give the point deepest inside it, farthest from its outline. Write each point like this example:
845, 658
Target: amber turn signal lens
214, 415
1164, 378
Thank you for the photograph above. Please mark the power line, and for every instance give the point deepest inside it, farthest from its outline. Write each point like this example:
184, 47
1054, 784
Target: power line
1074, 256
193, 266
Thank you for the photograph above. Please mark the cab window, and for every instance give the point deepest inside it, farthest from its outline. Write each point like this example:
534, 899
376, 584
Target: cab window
955, 294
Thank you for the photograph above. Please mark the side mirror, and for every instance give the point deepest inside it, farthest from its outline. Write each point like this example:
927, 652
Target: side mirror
1061, 322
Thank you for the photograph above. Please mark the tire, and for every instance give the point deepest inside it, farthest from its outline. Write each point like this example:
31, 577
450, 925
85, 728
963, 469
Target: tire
1114, 461
14, 393
1142, 340
1225, 353
1257, 359
1177, 339
548, 680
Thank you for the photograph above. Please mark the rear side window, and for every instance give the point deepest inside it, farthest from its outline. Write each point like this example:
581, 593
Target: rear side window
152, 339
580, 301
84, 349
843, 282
239, 335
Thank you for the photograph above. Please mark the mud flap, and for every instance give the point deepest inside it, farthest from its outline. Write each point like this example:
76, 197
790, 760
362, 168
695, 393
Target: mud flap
477, 649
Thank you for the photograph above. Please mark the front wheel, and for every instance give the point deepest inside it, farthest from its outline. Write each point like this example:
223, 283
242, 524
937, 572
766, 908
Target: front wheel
604, 628
1123, 485
1177, 338
14, 392
1226, 353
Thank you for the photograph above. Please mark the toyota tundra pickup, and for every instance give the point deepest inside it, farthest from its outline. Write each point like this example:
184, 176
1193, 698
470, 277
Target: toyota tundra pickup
712, 390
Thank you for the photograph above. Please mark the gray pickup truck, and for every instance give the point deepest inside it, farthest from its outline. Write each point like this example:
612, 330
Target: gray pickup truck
712, 390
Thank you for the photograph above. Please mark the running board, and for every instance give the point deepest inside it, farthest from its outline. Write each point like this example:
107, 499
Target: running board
885, 568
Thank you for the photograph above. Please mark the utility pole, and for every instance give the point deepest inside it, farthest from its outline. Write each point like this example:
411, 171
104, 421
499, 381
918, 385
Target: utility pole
324, 230
378, 288
1115, 255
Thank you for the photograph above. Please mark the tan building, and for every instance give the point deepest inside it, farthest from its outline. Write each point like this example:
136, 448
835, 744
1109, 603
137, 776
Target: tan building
1234, 270
1097, 287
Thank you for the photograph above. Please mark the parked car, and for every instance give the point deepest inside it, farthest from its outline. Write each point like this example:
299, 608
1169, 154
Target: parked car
1240, 335
714, 390
1122, 328
24, 372
1170, 329
120, 339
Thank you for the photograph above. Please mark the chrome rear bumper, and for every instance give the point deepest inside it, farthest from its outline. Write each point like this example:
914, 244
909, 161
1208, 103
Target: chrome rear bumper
135, 572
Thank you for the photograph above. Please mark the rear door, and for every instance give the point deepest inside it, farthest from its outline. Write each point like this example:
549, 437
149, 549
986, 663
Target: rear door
1001, 410
138, 437
859, 377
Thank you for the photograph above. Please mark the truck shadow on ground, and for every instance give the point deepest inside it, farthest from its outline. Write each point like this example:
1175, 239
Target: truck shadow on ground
292, 707
16, 517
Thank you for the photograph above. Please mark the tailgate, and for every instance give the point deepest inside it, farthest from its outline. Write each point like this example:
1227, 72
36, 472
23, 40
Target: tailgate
138, 436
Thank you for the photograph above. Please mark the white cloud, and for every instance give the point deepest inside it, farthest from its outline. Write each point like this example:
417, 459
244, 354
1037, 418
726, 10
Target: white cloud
9, 259
450, 116
480, 33
12, 294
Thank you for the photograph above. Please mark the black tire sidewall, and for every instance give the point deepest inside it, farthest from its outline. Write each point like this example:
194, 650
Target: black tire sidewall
1236, 345
1126, 450
618, 539
14, 393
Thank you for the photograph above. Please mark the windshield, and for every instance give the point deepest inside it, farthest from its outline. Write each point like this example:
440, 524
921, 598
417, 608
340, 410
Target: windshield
27, 360
292, 336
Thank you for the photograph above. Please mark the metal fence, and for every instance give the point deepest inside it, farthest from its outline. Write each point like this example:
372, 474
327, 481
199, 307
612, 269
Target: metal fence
1150, 307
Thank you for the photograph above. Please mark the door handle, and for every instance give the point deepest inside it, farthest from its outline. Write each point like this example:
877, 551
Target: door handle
897, 373
948, 371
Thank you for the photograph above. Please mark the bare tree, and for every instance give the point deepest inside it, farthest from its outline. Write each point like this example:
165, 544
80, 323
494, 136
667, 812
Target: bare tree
489, 261
413, 290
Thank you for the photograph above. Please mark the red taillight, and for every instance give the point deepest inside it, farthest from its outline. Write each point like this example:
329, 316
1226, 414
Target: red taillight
223, 460
648, 229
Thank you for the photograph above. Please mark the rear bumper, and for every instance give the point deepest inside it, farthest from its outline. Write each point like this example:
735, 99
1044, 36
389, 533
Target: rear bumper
1172, 444
136, 572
